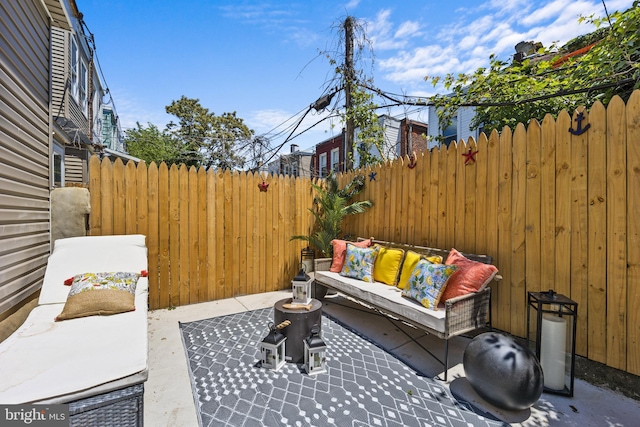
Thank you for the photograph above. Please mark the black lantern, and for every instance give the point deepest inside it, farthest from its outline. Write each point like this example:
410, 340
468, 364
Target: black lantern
554, 318
315, 353
301, 288
272, 349
307, 255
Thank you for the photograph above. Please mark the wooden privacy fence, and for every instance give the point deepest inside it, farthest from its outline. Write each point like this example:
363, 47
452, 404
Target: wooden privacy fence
210, 235
556, 210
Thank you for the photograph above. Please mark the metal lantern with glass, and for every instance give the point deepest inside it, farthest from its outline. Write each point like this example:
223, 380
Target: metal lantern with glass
301, 288
554, 317
272, 349
315, 353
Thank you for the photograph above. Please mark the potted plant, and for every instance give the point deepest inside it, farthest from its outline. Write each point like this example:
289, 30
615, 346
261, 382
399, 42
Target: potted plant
330, 206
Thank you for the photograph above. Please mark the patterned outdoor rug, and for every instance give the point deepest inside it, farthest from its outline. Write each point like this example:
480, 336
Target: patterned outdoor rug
364, 385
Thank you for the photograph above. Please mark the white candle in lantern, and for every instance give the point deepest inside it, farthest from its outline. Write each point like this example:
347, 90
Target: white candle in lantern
552, 351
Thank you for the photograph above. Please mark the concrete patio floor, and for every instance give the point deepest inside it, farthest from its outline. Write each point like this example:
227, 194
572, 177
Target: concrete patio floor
168, 399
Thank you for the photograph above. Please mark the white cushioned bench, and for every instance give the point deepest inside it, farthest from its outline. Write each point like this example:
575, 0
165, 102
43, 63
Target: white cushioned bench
96, 364
458, 316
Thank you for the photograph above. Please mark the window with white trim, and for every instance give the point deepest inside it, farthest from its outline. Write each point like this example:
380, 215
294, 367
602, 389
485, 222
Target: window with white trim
335, 160
74, 70
83, 99
58, 166
322, 165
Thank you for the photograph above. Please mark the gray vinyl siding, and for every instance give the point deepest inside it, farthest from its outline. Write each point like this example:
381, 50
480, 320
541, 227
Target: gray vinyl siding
59, 71
24, 149
75, 166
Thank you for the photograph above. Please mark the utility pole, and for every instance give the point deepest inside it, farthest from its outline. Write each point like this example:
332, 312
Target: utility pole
349, 77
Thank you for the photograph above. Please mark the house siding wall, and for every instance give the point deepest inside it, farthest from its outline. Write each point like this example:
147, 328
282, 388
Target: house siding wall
24, 150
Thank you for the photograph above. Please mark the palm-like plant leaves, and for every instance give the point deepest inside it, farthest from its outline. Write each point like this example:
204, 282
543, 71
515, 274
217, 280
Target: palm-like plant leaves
331, 206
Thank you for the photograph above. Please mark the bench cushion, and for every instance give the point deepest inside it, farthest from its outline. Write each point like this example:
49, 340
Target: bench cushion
44, 359
92, 254
387, 298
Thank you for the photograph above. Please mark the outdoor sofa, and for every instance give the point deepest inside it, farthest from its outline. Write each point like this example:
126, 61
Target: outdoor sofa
463, 313
97, 364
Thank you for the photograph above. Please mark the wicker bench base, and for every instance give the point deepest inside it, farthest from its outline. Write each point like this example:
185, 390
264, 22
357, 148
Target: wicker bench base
122, 407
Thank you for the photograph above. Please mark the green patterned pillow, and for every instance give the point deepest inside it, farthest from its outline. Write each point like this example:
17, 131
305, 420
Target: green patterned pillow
359, 262
427, 283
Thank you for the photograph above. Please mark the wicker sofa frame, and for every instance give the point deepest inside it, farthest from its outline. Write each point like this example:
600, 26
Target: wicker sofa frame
463, 314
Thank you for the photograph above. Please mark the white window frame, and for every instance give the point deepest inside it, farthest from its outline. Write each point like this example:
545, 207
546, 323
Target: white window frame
335, 159
58, 156
322, 165
75, 59
83, 87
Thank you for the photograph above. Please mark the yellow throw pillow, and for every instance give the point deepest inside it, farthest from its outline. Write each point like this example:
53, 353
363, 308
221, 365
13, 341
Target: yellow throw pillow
387, 266
410, 262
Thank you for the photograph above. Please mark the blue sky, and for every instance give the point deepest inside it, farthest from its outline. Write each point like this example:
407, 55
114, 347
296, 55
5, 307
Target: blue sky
261, 58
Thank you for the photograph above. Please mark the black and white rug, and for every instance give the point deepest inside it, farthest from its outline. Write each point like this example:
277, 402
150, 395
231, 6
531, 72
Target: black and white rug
364, 386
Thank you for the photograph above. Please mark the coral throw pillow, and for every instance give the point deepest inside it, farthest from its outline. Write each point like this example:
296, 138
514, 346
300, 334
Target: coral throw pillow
340, 250
471, 276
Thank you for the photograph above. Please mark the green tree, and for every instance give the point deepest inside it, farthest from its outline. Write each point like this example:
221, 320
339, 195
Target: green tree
152, 145
206, 139
507, 93
330, 206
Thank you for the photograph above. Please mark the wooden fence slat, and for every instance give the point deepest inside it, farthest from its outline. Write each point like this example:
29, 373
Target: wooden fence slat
548, 204
469, 205
164, 234
481, 196
174, 236
106, 201
563, 205
596, 319
633, 233
616, 235
193, 235
533, 256
220, 236
579, 228
119, 213
153, 234
518, 215
505, 165
183, 226
95, 192
493, 179
449, 193
130, 199
212, 249
459, 192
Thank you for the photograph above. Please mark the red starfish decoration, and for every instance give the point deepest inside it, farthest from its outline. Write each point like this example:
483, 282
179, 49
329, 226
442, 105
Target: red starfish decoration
412, 161
263, 186
470, 156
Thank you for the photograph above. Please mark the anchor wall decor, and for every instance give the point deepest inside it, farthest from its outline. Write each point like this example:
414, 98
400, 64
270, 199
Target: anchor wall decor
579, 118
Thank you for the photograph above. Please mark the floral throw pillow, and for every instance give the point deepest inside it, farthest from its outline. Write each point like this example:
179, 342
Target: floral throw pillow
428, 282
359, 262
100, 294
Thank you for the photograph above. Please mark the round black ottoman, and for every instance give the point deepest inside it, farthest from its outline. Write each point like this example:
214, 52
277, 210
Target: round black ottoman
302, 321
503, 372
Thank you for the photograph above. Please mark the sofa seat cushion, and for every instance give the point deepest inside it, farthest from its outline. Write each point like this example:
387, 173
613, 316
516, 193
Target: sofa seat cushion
45, 359
386, 298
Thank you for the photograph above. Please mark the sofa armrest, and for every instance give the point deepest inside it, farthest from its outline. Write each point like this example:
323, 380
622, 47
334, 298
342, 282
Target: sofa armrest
322, 264
468, 312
